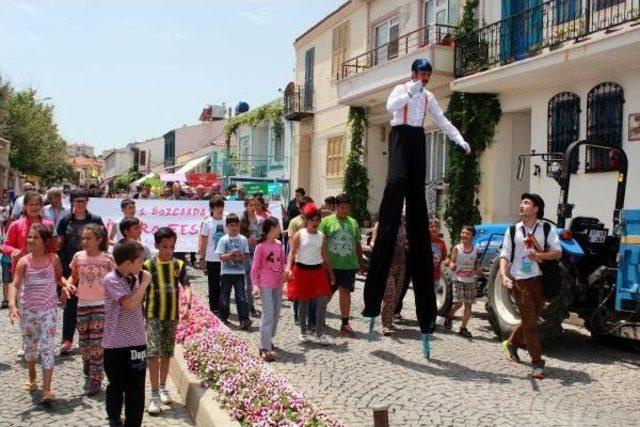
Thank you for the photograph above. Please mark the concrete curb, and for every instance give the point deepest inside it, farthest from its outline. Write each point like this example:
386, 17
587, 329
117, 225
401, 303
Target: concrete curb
200, 402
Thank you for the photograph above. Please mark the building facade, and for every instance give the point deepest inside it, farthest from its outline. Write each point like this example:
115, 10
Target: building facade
87, 170
117, 161
77, 150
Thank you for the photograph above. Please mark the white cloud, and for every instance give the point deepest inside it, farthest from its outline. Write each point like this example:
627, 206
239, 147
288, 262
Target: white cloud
260, 16
29, 7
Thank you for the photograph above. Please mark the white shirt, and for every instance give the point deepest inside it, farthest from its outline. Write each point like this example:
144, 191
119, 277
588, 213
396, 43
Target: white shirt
522, 267
310, 248
18, 207
213, 229
416, 106
54, 215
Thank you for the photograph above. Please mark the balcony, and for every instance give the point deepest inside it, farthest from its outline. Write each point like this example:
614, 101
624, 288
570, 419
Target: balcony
366, 79
298, 102
254, 166
552, 30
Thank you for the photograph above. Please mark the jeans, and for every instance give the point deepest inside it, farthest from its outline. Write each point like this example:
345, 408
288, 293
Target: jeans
248, 290
311, 314
126, 370
70, 319
405, 182
320, 314
213, 279
271, 302
235, 281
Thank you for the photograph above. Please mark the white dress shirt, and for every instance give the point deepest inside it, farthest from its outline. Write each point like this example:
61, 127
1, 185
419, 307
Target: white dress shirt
416, 108
521, 267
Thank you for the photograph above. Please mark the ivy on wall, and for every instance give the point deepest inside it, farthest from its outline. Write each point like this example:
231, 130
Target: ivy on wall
356, 180
269, 113
476, 115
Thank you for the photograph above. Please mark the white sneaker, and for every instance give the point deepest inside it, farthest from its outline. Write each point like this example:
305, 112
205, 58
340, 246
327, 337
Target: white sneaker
20, 353
154, 406
165, 397
303, 338
324, 340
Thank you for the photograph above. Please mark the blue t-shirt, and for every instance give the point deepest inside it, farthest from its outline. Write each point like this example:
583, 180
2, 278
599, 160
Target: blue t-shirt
228, 244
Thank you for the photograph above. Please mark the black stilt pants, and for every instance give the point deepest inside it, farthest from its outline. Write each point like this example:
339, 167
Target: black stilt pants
405, 181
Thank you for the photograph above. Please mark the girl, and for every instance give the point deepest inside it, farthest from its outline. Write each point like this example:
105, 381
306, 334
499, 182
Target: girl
308, 273
39, 272
267, 274
263, 208
464, 265
250, 227
88, 269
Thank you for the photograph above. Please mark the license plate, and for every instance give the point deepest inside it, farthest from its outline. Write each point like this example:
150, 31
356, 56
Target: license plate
597, 236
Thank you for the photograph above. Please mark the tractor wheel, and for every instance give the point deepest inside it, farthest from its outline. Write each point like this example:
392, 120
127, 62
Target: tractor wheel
444, 293
504, 315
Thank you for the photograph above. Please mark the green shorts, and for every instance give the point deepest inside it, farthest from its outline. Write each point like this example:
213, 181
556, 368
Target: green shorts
161, 337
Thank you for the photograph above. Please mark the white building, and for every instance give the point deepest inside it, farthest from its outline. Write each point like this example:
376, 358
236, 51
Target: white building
117, 161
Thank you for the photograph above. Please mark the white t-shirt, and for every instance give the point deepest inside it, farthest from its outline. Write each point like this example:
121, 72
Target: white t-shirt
213, 229
522, 267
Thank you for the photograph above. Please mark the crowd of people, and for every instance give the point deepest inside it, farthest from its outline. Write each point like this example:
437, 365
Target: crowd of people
124, 302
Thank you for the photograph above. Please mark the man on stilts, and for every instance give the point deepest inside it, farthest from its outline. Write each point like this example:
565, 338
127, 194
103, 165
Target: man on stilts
408, 105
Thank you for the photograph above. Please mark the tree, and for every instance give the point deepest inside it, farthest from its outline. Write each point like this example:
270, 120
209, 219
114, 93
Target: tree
124, 181
356, 180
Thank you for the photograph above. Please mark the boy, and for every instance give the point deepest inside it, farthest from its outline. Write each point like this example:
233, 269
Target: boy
233, 249
161, 310
345, 252
329, 206
131, 230
128, 207
124, 340
212, 230
438, 248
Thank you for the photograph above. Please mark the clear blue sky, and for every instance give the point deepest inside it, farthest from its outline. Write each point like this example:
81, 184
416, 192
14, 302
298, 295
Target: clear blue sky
119, 71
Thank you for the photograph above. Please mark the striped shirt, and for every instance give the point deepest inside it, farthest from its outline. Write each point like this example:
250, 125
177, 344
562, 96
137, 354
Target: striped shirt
122, 328
39, 287
162, 294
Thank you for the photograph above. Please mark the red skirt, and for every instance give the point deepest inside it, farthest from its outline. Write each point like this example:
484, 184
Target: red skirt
307, 284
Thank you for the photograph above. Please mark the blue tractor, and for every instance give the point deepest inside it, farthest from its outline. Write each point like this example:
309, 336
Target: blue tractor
599, 269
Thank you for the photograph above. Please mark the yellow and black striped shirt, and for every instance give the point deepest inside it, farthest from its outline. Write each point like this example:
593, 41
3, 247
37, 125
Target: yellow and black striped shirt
162, 294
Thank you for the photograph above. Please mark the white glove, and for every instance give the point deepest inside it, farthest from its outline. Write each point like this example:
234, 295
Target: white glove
415, 87
465, 146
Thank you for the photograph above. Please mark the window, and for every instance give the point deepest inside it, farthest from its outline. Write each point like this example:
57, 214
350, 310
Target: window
567, 10
563, 124
441, 12
335, 156
309, 63
604, 125
244, 148
170, 149
386, 39
143, 158
278, 146
437, 157
340, 49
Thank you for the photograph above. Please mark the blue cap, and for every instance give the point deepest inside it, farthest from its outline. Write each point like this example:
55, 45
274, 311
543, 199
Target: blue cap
421, 65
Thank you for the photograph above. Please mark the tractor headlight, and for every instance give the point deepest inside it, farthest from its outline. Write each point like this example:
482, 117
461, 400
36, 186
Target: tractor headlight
555, 168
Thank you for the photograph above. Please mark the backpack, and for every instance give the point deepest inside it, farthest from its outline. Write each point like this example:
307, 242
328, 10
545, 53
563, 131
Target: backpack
551, 277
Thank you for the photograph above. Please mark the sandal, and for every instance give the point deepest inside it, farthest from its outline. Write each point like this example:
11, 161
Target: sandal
465, 333
30, 385
448, 323
48, 397
386, 332
266, 355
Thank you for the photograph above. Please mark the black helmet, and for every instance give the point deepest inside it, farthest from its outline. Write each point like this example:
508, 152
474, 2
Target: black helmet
537, 202
421, 65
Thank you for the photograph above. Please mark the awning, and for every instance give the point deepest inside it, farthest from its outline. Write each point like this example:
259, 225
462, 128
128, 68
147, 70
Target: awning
139, 181
192, 164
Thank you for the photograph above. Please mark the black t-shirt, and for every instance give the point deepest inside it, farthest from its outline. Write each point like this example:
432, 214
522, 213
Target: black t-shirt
70, 228
292, 211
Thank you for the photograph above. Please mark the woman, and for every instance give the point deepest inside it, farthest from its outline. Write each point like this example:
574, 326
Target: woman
15, 246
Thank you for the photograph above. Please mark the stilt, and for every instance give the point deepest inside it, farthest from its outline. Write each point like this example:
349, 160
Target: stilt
426, 345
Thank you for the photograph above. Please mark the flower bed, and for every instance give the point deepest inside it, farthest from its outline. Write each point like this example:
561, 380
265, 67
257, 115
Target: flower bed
251, 393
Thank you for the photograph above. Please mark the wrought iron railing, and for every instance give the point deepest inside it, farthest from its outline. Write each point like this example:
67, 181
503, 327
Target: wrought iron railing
547, 25
433, 34
298, 102
252, 166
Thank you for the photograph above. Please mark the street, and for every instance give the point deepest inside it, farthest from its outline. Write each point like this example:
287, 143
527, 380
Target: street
466, 382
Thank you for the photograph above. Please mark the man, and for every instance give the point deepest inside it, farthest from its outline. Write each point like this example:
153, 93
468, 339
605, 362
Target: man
176, 192
145, 193
69, 233
408, 104
201, 192
293, 210
242, 193
520, 270
216, 190
232, 192
344, 249
54, 211
18, 206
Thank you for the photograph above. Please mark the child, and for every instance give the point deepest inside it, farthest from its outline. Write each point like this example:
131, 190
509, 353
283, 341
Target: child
162, 312
438, 248
267, 274
233, 249
307, 273
88, 269
212, 230
131, 230
128, 207
124, 340
345, 252
464, 258
250, 227
5, 263
35, 281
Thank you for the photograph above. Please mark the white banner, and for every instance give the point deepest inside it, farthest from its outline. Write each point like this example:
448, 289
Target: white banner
183, 216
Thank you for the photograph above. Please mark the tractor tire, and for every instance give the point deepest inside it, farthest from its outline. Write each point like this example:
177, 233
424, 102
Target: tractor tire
504, 315
444, 293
